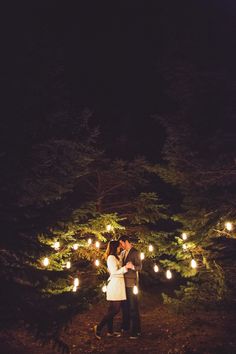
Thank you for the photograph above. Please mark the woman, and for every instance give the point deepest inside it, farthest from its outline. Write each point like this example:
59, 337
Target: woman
115, 288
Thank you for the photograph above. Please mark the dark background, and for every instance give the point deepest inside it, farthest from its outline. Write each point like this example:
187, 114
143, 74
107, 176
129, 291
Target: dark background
124, 61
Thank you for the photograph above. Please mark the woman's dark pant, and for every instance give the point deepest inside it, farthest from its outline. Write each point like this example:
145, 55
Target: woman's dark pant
113, 309
130, 312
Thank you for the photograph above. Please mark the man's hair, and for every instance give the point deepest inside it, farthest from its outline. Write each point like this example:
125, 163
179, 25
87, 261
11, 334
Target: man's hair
124, 238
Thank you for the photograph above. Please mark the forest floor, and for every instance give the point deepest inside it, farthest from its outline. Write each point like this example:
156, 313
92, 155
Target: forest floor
163, 332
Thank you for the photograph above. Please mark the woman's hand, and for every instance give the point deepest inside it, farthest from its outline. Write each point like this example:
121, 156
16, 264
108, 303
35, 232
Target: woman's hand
129, 265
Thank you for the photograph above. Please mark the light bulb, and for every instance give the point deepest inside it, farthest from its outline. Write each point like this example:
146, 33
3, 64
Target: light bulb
142, 255
89, 241
75, 246
184, 236
108, 228
156, 268
185, 246
104, 289
168, 274
150, 248
74, 288
56, 245
135, 290
45, 261
97, 263
76, 282
97, 244
229, 226
193, 263
68, 265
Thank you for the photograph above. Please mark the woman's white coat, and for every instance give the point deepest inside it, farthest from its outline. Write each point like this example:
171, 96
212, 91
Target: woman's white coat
116, 282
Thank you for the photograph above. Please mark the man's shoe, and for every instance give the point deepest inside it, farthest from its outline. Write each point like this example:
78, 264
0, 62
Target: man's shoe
97, 333
133, 336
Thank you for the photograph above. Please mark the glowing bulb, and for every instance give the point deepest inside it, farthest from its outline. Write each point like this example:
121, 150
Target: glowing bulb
76, 282
185, 246
168, 274
104, 289
109, 228
97, 244
46, 261
68, 265
150, 248
156, 268
97, 263
74, 288
135, 290
75, 246
193, 263
229, 225
56, 245
184, 236
89, 241
142, 255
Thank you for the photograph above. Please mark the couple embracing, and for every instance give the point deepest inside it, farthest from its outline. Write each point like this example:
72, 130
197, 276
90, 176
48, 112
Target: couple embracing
123, 268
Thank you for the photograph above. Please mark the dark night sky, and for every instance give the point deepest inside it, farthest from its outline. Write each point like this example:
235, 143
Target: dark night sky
122, 61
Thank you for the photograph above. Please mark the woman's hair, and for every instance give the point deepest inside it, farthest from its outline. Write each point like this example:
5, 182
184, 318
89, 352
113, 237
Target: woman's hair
112, 249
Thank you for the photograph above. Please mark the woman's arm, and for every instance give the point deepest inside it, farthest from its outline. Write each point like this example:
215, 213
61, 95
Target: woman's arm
112, 264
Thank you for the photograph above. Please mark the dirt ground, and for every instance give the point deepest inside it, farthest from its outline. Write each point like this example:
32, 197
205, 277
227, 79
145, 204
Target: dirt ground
163, 332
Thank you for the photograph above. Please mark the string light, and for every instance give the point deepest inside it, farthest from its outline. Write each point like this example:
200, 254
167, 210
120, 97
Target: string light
142, 256
45, 261
74, 288
168, 274
97, 263
76, 282
150, 248
229, 226
109, 228
89, 241
97, 244
135, 290
193, 264
104, 289
56, 245
68, 265
184, 236
156, 268
75, 246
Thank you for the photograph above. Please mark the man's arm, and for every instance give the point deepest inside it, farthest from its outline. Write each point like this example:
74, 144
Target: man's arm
136, 261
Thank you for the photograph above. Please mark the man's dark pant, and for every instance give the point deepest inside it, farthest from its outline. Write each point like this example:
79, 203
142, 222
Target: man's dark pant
130, 312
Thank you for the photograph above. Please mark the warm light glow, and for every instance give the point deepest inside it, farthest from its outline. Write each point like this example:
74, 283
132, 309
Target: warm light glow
56, 245
184, 236
97, 244
74, 288
97, 263
109, 228
229, 226
75, 246
135, 290
168, 274
89, 241
185, 246
104, 289
68, 265
45, 262
142, 255
193, 263
76, 282
156, 268
150, 248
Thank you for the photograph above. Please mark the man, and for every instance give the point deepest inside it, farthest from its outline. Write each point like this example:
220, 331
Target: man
130, 307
